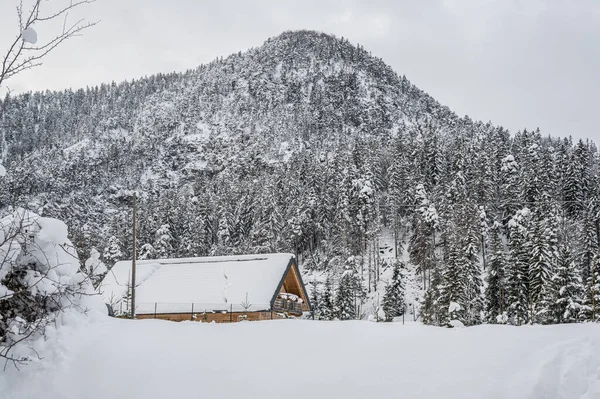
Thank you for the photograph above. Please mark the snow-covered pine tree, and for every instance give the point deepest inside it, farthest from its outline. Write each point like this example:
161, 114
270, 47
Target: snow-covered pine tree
517, 287
509, 189
393, 299
346, 296
163, 247
567, 290
462, 275
453, 282
592, 292
471, 267
147, 251
315, 297
425, 221
484, 231
587, 237
420, 247
398, 174
112, 252
224, 231
541, 267
577, 180
529, 145
495, 293
260, 233
326, 307
431, 308
432, 161
362, 209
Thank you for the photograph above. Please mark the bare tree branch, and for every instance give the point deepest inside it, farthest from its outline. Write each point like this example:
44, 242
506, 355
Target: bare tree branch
21, 56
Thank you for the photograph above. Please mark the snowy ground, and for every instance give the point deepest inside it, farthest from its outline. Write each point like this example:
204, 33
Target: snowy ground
146, 359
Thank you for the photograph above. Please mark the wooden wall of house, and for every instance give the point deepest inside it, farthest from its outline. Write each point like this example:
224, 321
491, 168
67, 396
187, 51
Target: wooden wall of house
209, 317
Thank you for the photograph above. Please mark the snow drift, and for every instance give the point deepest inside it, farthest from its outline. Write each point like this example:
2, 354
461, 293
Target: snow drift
304, 359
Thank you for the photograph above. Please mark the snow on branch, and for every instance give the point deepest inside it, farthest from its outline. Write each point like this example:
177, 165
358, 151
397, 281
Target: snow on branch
26, 51
40, 279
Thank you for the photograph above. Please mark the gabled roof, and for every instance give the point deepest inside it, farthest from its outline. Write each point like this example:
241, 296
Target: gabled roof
212, 283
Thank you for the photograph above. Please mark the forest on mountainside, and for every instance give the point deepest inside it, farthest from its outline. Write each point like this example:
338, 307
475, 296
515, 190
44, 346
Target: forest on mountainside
311, 145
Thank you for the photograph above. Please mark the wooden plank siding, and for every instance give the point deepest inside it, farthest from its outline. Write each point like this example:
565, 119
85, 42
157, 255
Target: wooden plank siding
209, 316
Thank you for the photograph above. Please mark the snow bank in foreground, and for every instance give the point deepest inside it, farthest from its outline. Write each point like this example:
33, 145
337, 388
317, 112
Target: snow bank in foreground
304, 359
39, 281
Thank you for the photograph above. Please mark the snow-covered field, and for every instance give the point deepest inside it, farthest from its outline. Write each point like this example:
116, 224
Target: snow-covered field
111, 358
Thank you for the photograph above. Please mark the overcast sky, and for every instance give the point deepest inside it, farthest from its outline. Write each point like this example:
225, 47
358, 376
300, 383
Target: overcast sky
528, 63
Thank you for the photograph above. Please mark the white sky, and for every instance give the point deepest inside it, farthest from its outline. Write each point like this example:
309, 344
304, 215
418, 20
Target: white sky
524, 63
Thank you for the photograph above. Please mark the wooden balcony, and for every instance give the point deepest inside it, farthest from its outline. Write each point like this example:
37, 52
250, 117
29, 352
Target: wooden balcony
284, 305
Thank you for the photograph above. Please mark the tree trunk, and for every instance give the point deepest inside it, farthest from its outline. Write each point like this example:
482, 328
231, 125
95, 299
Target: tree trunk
133, 255
396, 236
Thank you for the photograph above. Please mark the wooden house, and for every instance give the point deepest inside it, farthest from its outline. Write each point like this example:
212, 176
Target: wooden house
206, 289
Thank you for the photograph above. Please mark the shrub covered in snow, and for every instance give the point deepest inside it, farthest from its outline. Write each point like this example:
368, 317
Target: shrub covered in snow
39, 279
453, 309
456, 323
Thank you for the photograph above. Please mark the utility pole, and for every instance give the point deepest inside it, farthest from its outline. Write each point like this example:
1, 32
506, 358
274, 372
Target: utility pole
483, 250
593, 290
133, 255
432, 256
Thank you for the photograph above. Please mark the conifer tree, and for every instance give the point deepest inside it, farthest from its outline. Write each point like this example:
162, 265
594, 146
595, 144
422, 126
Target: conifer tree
420, 247
453, 287
425, 222
577, 180
112, 253
315, 297
393, 299
588, 238
592, 292
518, 268
567, 290
509, 190
224, 231
147, 251
345, 300
462, 275
431, 310
163, 244
471, 268
496, 279
326, 306
541, 269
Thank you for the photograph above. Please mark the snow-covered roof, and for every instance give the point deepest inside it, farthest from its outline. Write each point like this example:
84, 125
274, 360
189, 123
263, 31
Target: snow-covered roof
210, 283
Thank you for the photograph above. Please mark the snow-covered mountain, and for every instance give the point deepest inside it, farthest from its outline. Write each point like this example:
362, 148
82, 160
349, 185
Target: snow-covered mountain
310, 144
302, 97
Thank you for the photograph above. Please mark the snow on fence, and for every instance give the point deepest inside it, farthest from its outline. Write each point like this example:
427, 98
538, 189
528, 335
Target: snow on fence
150, 308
